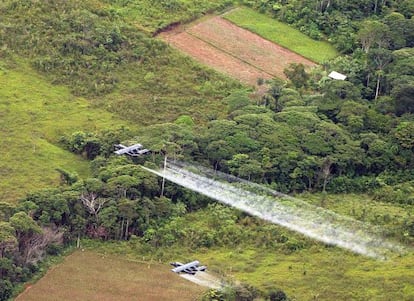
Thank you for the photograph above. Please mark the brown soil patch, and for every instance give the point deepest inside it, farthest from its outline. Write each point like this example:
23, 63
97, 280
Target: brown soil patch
91, 276
232, 50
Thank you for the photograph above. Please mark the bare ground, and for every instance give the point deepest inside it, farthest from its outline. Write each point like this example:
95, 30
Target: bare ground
92, 276
232, 50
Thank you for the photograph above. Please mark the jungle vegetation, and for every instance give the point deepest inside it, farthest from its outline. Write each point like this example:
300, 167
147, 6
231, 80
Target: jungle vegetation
327, 140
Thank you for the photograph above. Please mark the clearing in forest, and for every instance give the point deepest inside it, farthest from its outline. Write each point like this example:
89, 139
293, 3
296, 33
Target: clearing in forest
232, 50
91, 276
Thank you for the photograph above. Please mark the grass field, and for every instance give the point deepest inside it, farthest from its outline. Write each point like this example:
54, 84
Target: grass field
34, 115
91, 276
282, 34
327, 273
317, 272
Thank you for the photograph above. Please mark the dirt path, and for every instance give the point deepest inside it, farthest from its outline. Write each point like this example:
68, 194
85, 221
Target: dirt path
232, 50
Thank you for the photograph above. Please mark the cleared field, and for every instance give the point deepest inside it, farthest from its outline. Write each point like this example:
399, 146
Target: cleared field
282, 34
233, 50
219, 60
90, 276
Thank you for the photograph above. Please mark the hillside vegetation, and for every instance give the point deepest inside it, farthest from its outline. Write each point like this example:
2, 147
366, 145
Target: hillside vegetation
81, 50
35, 114
152, 17
70, 70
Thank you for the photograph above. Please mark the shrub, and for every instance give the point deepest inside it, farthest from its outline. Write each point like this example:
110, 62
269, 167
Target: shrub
276, 295
6, 289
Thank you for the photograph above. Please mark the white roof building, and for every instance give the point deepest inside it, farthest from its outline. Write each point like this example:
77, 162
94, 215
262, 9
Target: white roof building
337, 75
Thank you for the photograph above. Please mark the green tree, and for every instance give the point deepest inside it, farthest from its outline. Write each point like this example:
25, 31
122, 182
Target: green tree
297, 74
123, 185
26, 228
108, 219
378, 59
373, 34
397, 25
6, 289
8, 240
6, 211
237, 100
404, 98
128, 212
404, 133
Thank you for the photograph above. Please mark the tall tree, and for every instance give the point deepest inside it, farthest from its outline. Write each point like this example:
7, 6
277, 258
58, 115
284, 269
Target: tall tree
379, 58
373, 34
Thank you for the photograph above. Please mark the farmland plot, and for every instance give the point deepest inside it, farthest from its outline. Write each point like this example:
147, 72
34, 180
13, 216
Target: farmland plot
234, 51
91, 276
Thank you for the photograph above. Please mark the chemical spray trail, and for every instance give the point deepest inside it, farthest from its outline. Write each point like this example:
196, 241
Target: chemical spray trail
278, 208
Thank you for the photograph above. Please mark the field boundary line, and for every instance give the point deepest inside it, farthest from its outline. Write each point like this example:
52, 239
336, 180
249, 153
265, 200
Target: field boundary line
255, 32
229, 53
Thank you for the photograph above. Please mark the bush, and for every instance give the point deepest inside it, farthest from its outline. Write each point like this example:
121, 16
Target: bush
276, 295
345, 184
54, 249
245, 292
6, 289
225, 294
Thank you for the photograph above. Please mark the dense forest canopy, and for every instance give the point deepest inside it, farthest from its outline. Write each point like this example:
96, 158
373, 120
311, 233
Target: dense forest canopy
307, 134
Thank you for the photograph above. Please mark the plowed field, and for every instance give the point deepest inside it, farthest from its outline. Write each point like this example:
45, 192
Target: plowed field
232, 50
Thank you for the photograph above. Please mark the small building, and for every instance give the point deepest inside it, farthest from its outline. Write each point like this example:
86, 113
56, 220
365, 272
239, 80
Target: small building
337, 75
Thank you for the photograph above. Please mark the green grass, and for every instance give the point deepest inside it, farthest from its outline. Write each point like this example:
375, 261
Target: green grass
282, 34
363, 208
34, 115
151, 16
317, 272
157, 88
326, 273
163, 91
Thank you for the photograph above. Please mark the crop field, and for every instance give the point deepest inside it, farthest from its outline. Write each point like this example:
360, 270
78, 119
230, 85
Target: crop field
91, 276
33, 116
233, 50
282, 34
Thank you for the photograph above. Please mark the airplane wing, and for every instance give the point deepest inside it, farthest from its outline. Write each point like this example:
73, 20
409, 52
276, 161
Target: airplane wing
190, 268
133, 150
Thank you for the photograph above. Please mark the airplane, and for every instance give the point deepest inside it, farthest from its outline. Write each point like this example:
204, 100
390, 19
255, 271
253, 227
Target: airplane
190, 268
133, 150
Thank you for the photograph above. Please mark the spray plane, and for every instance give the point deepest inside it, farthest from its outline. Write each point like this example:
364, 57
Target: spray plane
133, 150
190, 268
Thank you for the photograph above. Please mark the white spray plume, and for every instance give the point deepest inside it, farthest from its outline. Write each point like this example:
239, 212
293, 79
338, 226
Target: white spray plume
275, 207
